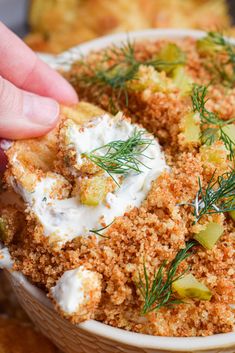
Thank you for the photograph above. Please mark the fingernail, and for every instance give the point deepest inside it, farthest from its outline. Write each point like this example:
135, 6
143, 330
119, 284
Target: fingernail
40, 110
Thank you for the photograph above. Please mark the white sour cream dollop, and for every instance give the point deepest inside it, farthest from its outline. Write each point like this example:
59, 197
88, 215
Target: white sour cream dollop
5, 258
76, 289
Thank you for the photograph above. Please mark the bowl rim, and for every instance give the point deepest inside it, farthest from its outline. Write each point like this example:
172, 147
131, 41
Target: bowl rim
174, 344
129, 338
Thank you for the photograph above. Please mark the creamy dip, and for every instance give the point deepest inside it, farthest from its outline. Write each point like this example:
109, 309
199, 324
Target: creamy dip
64, 220
5, 258
75, 288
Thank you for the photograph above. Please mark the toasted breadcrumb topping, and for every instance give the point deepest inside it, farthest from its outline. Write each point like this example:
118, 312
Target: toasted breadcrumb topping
157, 230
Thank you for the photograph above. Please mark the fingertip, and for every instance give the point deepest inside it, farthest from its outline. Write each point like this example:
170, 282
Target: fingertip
47, 82
40, 110
67, 94
30, 73
24, 114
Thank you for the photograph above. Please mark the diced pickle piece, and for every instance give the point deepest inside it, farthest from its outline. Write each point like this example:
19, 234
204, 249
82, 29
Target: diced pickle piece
182, 80
215, 154
206, 46
232, 215
191, 128
148, 78
209, 236
230, 131
94, 190
189, 287
3, 229
171, 53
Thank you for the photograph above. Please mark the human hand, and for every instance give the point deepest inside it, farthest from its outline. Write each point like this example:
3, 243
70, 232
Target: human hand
25, 85
25, 82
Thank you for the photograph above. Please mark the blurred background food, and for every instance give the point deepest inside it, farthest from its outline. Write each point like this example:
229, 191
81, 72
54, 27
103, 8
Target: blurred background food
55, 25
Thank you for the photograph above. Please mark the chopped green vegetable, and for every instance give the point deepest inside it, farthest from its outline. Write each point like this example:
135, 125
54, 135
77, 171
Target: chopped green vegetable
149, 78
212, 45
232, 214
217, 197
191, 128
94, 190
208, 45
213, 127
182, 80
159, 293
229, 130
3, 229
209, 236
123, 70
189, 287
171, 53
215, 154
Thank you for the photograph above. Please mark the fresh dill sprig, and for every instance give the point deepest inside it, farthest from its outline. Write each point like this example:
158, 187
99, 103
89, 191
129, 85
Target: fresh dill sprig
121, 156
158, 293
123, 70
212, 125
222, 45
98, 231
217, 197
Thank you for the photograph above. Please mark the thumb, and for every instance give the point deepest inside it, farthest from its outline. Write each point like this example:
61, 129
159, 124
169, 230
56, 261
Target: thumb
24, 114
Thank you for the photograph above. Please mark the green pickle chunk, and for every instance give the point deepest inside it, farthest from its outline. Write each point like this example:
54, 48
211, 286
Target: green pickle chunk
215, 154
230, 132
3, 229
171, 53
232, 215
209, 236
189, 287
94, 190
191, 128
182, 80
206, 47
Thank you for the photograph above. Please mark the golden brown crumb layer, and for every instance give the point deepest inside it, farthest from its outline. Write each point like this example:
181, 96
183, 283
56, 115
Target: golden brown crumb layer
157, 230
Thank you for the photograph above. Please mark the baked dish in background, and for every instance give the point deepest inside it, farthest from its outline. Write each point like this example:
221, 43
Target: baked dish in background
127, 207
58, 25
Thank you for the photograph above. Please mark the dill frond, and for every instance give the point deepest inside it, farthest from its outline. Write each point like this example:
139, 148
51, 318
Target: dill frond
212, 125
158, 293
98, 231
216, 42
121, 156
124, 69
217, 197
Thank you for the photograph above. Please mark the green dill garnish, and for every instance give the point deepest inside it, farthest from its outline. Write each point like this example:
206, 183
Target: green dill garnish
212, 125
217, 197
121, 156
123, 70
158, 293
98, 231
216, 43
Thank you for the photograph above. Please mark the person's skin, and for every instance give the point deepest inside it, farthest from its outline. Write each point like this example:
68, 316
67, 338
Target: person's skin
29, 91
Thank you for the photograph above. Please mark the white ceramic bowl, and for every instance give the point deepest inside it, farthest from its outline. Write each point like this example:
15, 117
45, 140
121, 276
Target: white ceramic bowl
93, 336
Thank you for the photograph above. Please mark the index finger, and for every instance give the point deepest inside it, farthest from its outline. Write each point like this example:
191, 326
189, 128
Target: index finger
21, 66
